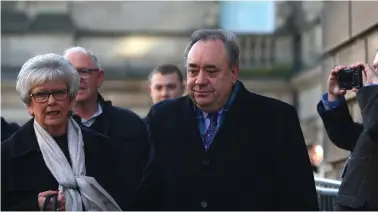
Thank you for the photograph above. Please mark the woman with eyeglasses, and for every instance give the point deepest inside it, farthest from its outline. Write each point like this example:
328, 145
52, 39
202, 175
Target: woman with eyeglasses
51, 154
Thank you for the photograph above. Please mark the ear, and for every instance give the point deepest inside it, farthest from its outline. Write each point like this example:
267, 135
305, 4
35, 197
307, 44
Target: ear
30, 110
72, 103
100, 78
149, 89
235, 73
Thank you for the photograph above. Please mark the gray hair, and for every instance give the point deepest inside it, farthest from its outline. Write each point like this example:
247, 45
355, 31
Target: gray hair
43, 68
90, 54
228, 38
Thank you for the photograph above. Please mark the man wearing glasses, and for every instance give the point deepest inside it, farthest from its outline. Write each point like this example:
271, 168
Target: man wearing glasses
92, 111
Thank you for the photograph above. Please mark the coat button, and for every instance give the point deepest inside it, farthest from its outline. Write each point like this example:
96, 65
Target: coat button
205, 162
204, 204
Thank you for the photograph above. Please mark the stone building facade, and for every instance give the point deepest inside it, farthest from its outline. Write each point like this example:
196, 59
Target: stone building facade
130, 37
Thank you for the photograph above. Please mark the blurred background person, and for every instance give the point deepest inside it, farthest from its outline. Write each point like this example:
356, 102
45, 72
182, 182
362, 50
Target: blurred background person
92, 111
8, 128
315, 153
51, 154
165, 82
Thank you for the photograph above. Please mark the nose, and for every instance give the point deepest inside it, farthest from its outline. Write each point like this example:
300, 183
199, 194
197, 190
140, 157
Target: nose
51, 100
164, 92
201, 78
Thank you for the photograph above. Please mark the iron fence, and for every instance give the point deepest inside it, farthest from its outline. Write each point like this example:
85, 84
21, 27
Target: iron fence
327, 190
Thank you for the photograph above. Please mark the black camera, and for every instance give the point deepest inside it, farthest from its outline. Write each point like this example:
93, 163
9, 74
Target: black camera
350, 78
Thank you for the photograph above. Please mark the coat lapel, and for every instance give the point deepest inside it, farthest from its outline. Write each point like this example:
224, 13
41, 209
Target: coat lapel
230, 128
234, 120
190, 126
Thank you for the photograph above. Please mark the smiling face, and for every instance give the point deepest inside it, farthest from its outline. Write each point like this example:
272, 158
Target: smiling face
210, 79
49, 111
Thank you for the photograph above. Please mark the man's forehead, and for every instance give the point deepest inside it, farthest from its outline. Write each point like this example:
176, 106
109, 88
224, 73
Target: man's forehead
207, 53
159, 78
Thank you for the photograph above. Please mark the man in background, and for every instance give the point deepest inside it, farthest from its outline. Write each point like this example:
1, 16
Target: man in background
165, 82
92, 111
315, 153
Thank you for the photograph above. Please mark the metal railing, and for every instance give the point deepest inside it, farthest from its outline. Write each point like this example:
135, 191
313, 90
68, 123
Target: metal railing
327, 190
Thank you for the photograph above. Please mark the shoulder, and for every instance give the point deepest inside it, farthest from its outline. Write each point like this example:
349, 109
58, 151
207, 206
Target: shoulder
126, 115
5, 147
271, 105
9, 127
169, 105
93, 138
88, 133
21, 141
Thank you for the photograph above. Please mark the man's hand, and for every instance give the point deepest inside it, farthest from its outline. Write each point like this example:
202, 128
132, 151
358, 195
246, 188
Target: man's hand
334, 91
371, 76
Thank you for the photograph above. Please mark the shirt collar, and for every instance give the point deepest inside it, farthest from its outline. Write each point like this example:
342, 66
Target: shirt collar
204, 114
95, 115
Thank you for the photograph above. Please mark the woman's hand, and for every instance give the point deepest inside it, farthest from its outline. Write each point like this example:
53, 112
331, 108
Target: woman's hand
61, 200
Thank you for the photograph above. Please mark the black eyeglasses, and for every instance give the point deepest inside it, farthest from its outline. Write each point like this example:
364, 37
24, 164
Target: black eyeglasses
43, 96
85, 73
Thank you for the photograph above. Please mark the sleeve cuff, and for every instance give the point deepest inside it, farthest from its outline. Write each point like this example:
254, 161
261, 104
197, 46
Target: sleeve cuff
330, 105
371, 84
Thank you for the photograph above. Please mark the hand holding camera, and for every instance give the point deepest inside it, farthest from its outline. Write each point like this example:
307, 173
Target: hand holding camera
343, 78
334, 92
369, 72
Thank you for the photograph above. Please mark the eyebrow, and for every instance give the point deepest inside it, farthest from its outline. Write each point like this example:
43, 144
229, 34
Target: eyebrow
192, 65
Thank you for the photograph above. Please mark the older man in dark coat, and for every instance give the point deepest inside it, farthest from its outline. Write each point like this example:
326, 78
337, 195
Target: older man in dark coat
223, 147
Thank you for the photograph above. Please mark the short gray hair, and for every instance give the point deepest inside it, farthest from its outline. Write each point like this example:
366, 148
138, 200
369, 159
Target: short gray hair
90, 54
228, 38
43, 68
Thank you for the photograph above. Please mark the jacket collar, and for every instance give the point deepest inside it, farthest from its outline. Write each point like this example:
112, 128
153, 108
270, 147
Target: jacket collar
106, 110
24, 140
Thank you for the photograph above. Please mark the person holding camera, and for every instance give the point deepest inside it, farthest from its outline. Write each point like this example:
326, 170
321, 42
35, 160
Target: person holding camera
359, 189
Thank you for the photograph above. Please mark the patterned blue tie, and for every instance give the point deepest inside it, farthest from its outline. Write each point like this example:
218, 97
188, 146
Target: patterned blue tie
210, 132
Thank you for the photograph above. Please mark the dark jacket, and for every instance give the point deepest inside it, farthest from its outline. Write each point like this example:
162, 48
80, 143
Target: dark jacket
117, 166
341, 129
257, 161
118, 123
7, 129
359, 189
